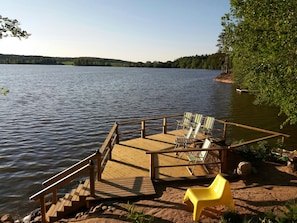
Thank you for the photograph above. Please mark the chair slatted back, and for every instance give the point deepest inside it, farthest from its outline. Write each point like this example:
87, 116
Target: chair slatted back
206, 145
197, 119
208, 124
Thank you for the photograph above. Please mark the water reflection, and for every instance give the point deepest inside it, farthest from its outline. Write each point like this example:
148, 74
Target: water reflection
242, 110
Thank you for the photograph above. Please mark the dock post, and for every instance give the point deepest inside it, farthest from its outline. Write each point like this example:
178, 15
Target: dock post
223, 160
55, 196
117, 133
152, 169
92, 180
164, 125
143, 129
43, 209
225, 131
98, 165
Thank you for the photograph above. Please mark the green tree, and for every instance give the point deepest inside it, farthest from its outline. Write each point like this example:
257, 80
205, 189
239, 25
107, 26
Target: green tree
261, 36
10, 27
3, 91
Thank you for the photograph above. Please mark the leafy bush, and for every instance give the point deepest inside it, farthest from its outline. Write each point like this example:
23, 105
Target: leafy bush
229, 217
262, 151
138, 216
254, 152
288, 214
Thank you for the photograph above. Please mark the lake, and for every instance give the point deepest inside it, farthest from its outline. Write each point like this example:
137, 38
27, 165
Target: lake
54, 116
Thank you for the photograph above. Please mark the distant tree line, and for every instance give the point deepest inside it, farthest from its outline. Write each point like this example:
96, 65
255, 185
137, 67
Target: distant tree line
18, 59
213, 61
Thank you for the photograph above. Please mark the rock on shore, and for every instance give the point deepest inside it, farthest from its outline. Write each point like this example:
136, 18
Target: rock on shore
7, 218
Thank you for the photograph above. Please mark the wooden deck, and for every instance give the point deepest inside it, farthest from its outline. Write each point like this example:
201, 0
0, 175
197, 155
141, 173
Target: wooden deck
129, 158
124, 187
129, 171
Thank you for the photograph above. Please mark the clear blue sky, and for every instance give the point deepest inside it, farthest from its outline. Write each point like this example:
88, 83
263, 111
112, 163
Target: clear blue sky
133, 30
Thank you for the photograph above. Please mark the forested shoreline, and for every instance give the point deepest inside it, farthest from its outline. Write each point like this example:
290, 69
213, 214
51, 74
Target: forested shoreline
212, 61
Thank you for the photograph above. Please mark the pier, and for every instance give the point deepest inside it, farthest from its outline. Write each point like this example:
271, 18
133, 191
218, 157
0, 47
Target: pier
134, 156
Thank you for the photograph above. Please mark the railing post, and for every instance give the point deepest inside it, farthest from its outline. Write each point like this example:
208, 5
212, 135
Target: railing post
224, 160
109, 151
283, 139
143, 129
164, 125
55, 196
92, 179
117, 133
225, 131
99, 165
152, 169
43, 209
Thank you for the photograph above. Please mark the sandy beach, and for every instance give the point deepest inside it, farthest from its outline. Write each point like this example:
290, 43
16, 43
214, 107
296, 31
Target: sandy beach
271, 187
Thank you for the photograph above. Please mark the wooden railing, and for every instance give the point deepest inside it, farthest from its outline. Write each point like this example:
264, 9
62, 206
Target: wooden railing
271, 135
154, 159
107, 146
148, 124
95, 157
95, 161
52, 188
99, 158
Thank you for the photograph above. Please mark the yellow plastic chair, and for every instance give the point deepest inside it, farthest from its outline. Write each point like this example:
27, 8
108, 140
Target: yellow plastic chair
217, 193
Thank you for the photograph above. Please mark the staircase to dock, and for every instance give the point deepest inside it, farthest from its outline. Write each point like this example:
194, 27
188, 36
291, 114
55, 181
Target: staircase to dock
70, 203
105, 189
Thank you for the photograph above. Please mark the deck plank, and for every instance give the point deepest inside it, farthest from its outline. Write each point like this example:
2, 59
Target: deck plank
129, 158
124, 187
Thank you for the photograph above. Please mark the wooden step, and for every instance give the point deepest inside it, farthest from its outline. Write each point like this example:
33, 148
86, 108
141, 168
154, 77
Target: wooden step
124, 187
56, 211
67, 199
105, 189
76, 194
51, 212
86, 191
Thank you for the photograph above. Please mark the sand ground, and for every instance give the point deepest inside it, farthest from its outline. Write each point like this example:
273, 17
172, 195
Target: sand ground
270, 187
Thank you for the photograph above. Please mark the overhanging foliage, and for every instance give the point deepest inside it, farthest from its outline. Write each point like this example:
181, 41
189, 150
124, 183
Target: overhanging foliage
261, 38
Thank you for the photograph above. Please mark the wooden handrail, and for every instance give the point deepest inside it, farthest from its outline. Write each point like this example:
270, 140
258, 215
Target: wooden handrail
85, 161
143, 127
183, 150
253, 141
109, 137
256, 129
49, 189
76, 170
153, 155
148, 119
193, 164
71, 169
58, 184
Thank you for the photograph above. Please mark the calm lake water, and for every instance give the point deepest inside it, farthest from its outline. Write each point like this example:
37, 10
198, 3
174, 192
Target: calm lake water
54, 116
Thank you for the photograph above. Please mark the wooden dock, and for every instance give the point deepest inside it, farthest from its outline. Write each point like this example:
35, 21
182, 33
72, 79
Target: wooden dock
129, 158
127, 174
128, 168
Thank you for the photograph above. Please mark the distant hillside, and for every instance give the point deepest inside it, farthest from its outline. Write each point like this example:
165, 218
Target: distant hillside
213, 61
